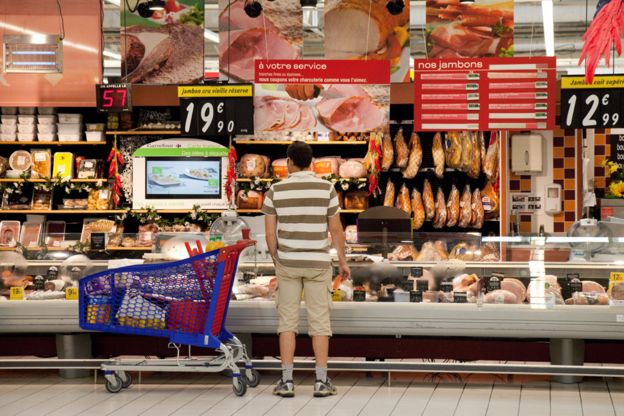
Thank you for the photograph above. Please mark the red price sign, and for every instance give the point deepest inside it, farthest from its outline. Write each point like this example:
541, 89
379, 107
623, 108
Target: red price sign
113, 97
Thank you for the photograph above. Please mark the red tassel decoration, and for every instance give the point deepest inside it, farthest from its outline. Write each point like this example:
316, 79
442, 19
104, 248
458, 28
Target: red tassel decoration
231, 174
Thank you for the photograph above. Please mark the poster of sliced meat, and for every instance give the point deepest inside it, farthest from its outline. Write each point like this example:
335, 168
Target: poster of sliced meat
321, 96
276, 33
483, 28
369, 29
162, 46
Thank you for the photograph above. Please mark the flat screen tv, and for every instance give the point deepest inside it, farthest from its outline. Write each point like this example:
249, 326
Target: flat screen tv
183, 178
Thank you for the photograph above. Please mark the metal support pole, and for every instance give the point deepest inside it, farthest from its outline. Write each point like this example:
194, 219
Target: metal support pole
567, 351
73, 346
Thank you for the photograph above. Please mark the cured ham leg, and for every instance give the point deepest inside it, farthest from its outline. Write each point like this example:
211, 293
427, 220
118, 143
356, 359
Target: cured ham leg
452, 207
415, 157
428, 201
418, 208
402, 154
465, 206
439, 220
438, 155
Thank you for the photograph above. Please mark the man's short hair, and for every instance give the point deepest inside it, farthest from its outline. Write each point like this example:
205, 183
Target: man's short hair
300, 153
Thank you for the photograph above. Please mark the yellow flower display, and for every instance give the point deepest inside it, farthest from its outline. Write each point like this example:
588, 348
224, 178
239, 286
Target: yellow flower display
617, 189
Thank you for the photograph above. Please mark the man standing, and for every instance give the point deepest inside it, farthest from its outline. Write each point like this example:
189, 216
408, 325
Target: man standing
298, 213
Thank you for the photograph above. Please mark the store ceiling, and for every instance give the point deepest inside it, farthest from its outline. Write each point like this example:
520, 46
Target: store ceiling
570, 22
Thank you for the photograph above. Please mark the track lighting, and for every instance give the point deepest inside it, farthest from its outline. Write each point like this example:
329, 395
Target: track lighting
253, 8
156, 5
395, 6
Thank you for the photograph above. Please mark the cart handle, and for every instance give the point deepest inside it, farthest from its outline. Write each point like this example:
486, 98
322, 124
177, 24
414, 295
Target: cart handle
234, 248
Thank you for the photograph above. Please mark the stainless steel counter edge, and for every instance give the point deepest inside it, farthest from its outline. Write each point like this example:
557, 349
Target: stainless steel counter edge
352, 318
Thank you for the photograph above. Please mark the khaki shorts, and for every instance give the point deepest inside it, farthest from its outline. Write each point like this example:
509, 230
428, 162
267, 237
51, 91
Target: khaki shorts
316, 285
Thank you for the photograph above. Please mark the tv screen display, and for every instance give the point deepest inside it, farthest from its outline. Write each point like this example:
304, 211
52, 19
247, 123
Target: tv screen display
183, 178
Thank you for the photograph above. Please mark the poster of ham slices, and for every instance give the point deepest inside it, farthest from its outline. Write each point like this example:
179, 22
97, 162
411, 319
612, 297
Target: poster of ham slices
321, 96
458, 29
163, 46
276, 33
369, 29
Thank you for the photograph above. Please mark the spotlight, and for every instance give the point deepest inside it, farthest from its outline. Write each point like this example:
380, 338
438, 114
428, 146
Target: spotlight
253, 8
395, 6
308, 4
156, 5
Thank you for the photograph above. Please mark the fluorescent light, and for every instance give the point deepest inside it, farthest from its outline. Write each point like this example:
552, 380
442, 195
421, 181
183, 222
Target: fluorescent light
115, 2
113, 55
549, 27
211, 36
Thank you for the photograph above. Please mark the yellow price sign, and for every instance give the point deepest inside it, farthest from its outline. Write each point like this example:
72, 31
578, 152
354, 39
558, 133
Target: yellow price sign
71, 293
615, 277
17, 293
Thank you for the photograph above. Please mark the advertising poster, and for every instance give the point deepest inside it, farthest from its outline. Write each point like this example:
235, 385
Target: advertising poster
321, 96
276, 33
164, 46
367, 29
484, 28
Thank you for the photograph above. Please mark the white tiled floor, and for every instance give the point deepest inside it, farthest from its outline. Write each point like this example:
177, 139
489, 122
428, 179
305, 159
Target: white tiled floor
37, 393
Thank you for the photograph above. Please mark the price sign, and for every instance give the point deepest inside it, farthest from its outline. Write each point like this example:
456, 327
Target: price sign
71, 293
216, 110
16, 293
113, 97
596, 105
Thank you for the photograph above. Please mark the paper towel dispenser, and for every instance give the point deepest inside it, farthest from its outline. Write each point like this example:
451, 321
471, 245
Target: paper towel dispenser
526, 153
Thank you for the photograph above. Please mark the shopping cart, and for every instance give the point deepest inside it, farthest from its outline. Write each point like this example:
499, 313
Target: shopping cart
185, 301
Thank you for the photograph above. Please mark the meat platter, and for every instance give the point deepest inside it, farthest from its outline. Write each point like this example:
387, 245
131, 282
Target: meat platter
202, 174
344, 108
164, 180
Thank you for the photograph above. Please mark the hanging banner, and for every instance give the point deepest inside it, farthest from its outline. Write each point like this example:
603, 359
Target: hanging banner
369, 30
596, 105
470, 30
162, 46
485, 94
276, 33
322, 96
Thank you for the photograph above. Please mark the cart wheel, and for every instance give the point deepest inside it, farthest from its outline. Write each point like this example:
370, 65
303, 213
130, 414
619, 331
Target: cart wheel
114, 387
239, 386
126, 379
252, 377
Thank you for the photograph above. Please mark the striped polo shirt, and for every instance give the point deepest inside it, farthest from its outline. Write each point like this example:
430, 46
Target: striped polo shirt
302, 203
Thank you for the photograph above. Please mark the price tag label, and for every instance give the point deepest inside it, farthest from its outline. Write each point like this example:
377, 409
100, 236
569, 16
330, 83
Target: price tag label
16, 293
71, 293
113, 97
595, 105
216, 110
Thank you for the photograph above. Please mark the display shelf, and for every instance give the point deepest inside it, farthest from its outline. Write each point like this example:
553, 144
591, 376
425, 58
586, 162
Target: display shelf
37, 143
60, 211
144, 133
313, 143
45, 180
507, 265
273, 179
69, 249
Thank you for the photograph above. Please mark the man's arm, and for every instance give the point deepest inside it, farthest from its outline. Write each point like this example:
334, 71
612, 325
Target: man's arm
270, 229
338, 241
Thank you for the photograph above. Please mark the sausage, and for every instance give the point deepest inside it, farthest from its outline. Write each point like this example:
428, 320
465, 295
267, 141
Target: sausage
419, 210
428, 201
387, 153
477, 210
439, 220
403, 200
452, 207
389, 196
465, 207
415, 157
400, 150
438, 155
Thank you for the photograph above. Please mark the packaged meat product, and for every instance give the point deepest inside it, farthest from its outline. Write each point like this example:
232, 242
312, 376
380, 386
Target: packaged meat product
89, 168
432, 252
326, 166
491, 201
465, 208
400, 150
42, 200
616, 291
453, 149
551, 285
490, 164
588, 298
438, 155
439, 220
591, 286
387, 153
280, 168
356, 200
469, 283
404, 252
41, 163
99, 199
419, 210
428, 201
474, 163
252, 165
9, 233
20, 160
63, 165
267, 166
249, 200
4, 165
478, 214
415, 157
403, 201
452, 207
489, 252
352, 168
462, 251
514, 286
31, 234
351, 234
389, 194
500, 296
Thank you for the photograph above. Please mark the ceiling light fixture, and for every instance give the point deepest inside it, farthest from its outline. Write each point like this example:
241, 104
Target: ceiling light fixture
156, 5
549, 27
395, 6
253, 8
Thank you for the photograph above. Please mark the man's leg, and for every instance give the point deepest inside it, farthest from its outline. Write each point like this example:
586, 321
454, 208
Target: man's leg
287, 342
